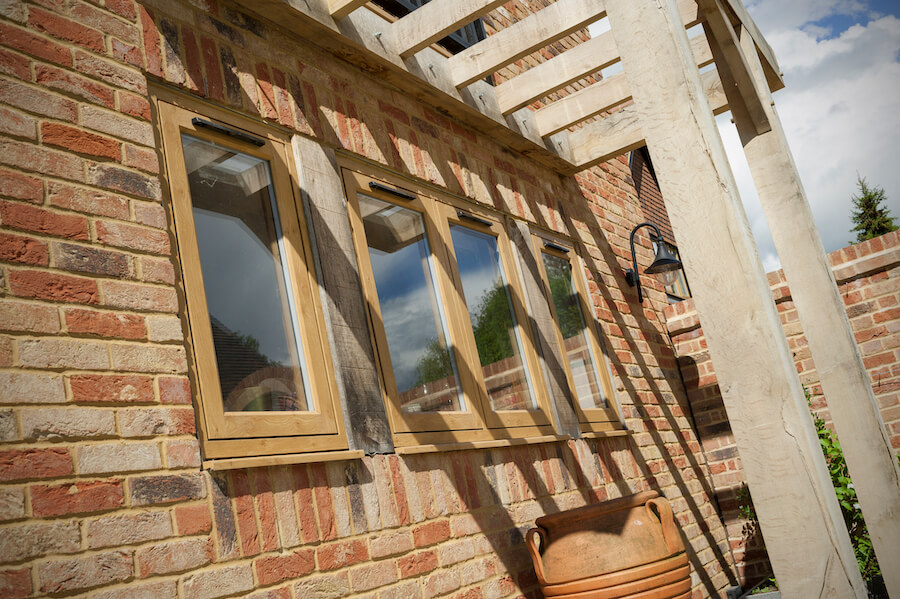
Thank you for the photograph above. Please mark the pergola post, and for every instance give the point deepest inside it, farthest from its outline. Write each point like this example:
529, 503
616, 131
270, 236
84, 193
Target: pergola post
848, 391
799, 514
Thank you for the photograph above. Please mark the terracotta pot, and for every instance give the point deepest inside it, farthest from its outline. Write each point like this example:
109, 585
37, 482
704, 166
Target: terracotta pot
628, 547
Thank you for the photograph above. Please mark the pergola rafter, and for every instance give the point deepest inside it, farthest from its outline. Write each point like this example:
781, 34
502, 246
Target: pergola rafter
660, 99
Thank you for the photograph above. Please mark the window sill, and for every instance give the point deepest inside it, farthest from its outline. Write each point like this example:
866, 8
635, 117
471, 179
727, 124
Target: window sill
605, 434
281, 460
438, 447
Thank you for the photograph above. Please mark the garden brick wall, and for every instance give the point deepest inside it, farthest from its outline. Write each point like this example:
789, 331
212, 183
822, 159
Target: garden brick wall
101, 489
868, 277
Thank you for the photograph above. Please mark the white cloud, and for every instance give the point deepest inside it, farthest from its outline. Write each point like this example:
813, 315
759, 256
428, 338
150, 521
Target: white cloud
840, 111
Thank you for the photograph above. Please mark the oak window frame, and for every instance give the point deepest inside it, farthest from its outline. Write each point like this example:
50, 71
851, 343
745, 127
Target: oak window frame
479, 423
287, 436
592, 421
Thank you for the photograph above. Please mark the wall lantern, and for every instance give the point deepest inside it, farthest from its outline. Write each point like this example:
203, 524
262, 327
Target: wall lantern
664, 268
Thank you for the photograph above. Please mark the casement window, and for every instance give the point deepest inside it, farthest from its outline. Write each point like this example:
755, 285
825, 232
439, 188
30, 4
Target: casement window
457, 362
265, 382
577, 334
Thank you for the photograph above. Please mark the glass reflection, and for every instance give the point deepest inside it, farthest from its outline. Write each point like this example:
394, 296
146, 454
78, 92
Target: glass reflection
493, 321
423, 365
571, 323
251, 312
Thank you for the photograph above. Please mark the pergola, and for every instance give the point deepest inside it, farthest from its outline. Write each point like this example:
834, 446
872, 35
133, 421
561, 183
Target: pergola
663, 100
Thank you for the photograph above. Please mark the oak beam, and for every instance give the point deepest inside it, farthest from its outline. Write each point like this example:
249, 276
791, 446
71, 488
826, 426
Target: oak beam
621, 132
820, 307
433, 21
718, 27
795, 502
774, 78
341, 8
583, 104
522, 38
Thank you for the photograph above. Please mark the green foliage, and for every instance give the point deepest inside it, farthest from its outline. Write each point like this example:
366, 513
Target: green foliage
564, 298
492, 326
871, 218
434, 364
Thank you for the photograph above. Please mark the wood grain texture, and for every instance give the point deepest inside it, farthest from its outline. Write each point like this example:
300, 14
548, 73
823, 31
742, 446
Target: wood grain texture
430, 22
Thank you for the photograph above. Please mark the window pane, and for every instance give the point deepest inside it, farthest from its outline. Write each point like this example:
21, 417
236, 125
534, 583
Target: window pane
424, 367
571, 323
493, 321
251, 311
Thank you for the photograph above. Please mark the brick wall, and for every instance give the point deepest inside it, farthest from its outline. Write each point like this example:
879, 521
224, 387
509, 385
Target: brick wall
101, 490
868, 277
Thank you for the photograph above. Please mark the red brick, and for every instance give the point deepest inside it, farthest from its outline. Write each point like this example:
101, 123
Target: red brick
84, 572
106, 324
18, 464
324, 505
21, 187
14, 64
144, 159
177, 556
32, 218
38, 101
342, 554
186, 454
265, 507
76, 85
48, 286
304, 500
174, 390
15, 584
193, 60
105, 22
123, 8
90, 201
214, 84
267, 99
79, 498
43, 160
29, 43
66, 29
17, 124
416, 564
156, 270
134, 105
80, 141
193, 519
246, 519
151, 41
113, 73
127, 53
274, 569
431, 533
24, 250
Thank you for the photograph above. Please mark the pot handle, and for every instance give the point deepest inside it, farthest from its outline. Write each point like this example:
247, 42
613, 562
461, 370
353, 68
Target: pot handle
536, 553
663, 511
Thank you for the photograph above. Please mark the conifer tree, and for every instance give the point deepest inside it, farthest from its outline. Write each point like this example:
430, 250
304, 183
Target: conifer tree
871, 217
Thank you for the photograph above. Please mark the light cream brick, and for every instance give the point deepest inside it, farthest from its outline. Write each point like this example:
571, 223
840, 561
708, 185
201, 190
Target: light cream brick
9, 429
49, 352
323, 587
164, 589
61, 423
373, 576
223, 582
12, 503
28, 541
148, 422
116, 124
148, 358
23, 387
387, 543
178, 556
112, 531
164, 328
119, 457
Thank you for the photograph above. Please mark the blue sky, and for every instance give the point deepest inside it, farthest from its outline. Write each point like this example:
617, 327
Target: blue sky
840, 107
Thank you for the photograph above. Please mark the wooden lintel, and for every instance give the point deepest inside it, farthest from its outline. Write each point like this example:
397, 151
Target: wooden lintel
522, 38
341, 8
621, 132
718, 26
433, 21
583, 104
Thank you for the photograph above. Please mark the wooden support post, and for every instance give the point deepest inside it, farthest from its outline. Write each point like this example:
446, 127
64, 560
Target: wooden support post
799, 514
848, 390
